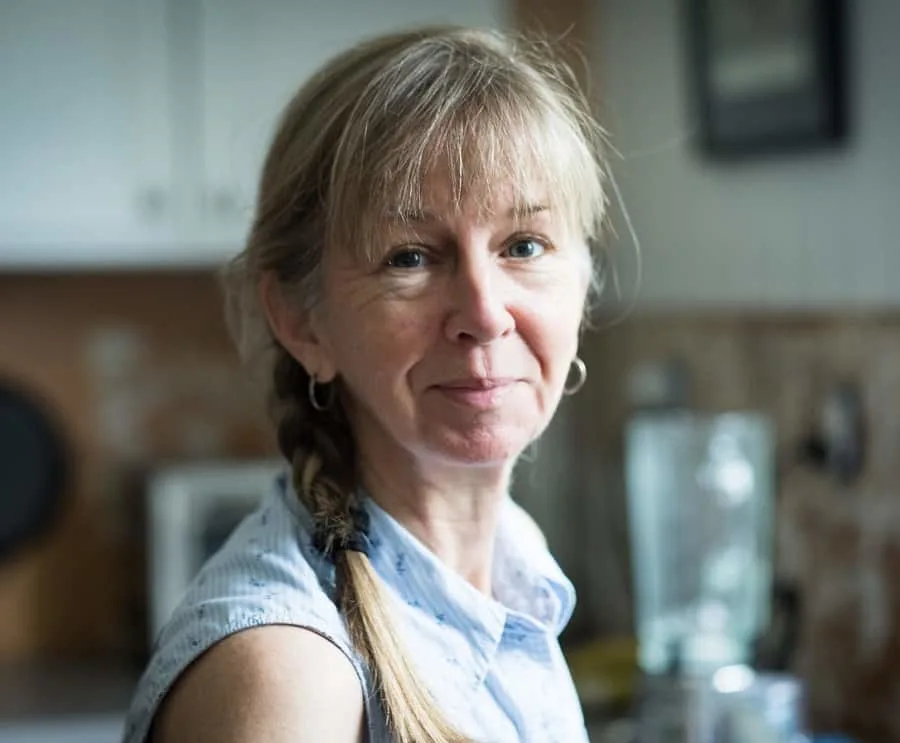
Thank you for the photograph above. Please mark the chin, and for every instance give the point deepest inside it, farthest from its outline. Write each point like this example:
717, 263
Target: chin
485, 448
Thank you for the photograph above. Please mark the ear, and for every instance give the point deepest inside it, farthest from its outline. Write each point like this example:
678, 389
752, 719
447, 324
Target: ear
294, 329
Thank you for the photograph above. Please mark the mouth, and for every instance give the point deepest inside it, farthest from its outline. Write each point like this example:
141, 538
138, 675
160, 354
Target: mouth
478, 393
477, 383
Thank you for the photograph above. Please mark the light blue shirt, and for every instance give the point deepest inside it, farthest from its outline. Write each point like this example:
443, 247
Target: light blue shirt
493, 665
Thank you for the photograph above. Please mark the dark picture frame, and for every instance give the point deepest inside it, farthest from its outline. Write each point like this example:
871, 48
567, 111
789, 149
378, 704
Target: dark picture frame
768, 75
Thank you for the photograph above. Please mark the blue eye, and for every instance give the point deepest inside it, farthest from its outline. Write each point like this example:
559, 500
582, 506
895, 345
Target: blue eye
407, 258
525, 249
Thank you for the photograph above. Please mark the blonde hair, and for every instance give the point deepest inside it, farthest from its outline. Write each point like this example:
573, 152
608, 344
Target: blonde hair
355, 144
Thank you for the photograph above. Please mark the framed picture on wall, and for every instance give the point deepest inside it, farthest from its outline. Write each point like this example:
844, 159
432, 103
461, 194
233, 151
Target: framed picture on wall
768, 74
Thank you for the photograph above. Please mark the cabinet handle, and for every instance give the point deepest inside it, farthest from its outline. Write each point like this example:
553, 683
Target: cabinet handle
152, 203
224, 202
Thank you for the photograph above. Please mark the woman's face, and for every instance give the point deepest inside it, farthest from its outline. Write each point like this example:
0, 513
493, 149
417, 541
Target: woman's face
457, 344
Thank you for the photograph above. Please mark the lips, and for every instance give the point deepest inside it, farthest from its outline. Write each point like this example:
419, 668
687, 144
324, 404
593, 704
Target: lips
477, 383
478, 393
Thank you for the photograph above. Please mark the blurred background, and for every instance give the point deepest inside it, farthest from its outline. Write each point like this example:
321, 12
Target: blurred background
746, 351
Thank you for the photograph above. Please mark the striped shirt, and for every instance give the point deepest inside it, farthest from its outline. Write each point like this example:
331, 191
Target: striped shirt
493, 664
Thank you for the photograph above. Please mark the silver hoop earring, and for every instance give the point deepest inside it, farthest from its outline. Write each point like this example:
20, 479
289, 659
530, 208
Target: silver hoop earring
581, 368
314, 398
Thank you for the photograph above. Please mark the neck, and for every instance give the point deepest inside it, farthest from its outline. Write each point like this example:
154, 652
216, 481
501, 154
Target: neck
453, 510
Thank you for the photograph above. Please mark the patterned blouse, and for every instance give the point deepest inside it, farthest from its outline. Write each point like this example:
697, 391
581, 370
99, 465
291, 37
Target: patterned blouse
493, 664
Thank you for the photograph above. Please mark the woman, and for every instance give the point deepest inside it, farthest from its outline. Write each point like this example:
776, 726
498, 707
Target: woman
413, 287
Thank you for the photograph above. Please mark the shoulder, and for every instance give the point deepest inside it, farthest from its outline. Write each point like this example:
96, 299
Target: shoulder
268, 573
266, 578
273, 683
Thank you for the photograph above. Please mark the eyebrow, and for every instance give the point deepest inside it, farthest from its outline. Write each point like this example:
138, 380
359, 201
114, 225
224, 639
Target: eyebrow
426, 217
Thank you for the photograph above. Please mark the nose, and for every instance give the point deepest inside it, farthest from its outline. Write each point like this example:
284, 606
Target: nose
479, 308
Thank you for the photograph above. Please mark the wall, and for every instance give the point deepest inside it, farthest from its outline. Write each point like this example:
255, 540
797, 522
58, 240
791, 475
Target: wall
812, 230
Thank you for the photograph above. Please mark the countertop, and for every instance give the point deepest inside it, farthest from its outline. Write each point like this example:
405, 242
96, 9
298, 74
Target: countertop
71, 703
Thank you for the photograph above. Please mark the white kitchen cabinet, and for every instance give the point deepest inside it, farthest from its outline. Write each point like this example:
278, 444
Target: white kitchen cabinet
85, 133
132, 132
254, 56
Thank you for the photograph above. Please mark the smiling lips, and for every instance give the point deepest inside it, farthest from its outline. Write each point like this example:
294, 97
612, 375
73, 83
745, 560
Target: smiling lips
482, 393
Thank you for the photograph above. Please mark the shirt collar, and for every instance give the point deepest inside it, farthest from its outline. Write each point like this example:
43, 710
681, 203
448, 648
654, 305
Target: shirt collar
526, 579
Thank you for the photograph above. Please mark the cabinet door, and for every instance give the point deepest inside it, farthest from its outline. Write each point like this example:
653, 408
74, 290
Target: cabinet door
253, 58
85, 141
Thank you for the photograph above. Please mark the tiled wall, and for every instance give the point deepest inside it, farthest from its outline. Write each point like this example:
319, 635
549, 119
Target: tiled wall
137, 370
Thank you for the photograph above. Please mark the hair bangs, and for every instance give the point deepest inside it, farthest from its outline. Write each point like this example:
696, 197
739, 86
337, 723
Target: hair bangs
487, 137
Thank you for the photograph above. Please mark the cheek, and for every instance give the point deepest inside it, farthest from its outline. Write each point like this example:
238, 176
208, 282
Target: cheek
553, 319
375, 348
552, 337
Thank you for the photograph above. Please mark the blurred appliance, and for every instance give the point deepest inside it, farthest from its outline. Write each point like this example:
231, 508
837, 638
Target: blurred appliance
700, 499
34, 461
191, 511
